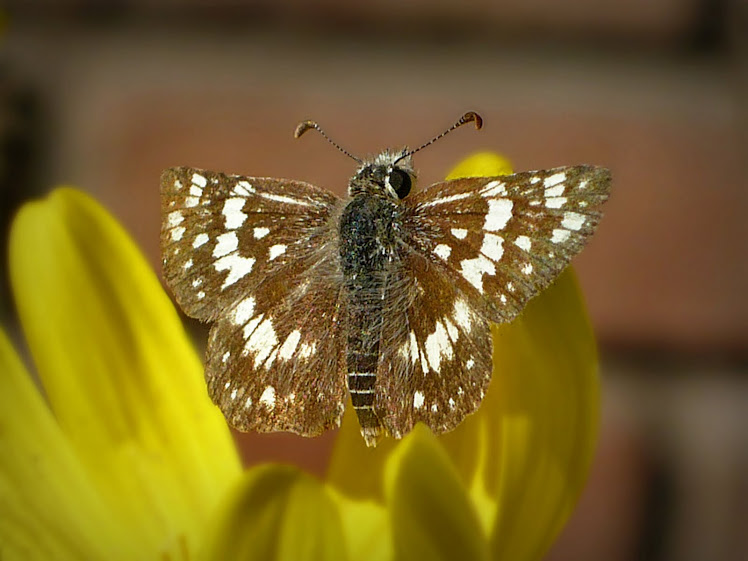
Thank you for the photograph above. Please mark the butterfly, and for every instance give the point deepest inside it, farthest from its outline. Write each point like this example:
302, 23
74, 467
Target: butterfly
386, 296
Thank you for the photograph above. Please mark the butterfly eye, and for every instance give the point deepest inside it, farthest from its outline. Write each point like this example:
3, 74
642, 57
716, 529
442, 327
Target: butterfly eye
400, 182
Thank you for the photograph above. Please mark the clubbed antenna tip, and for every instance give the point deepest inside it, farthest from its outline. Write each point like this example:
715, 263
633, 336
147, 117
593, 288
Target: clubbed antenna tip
304, 126
469, 117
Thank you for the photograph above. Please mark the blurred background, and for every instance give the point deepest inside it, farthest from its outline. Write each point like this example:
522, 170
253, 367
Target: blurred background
105, 95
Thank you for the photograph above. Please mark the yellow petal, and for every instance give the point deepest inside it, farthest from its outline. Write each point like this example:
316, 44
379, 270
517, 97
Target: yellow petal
537, 426
542, 410
366, 527
47, 504
122, 379
276, 513
432, 517
482, 164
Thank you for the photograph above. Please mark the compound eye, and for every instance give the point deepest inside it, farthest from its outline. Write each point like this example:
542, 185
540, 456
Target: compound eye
400, 182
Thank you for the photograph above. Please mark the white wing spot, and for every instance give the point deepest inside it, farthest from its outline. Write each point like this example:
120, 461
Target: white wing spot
503, 298
492, 247
224, 359
449, 199
261, 233
262, 341
283, 199
177, 185
438, 346
275, 251
462, 314
200, 295
289, 346
243, 189
470, 363
418, 400
534, 179
233, 393
523, 242
177, 233
573, 221
199, 180
197, 282
493, 189
473, 270
189, 202
232, 210
459, 233
175, 218
225, 244
527, 268
554, 179
555, 202
195, 191
227, 385
434, 408
451, 403
443, 251
306, 350
583, 184
237, 266
268, 397
244, 311
248, 403
499, 213
451, 330
556, 191
560, 236
187, 264
199, 240
510, 286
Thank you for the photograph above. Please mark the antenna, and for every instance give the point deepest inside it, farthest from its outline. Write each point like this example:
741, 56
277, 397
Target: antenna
469, 117
304, 126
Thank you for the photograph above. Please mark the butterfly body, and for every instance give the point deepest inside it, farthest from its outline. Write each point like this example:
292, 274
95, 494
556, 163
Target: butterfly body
386, 296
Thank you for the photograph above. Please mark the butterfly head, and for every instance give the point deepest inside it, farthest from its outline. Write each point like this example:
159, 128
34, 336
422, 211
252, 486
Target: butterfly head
389, 174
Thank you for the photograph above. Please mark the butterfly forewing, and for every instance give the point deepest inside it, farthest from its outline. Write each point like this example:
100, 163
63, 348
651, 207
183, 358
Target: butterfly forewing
222, 235
258, 256
502, 240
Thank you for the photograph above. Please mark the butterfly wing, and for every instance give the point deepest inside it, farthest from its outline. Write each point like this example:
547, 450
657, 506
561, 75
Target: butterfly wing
257, 256
475, 250
435, 361
502, 240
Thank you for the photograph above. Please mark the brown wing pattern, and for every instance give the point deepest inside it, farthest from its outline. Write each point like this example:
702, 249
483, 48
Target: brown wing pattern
258, 257
502, 240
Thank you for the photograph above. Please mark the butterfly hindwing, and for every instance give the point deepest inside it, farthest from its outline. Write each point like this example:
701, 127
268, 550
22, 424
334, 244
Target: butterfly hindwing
502, 240
435, 360
276, 361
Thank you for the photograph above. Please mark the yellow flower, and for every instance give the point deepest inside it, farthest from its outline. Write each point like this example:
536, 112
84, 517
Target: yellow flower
128, 459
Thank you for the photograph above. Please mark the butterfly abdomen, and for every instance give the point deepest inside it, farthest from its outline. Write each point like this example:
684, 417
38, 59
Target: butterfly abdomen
366, 249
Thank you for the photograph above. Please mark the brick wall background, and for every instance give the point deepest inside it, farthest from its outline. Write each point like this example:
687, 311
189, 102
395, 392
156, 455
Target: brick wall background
104, 96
